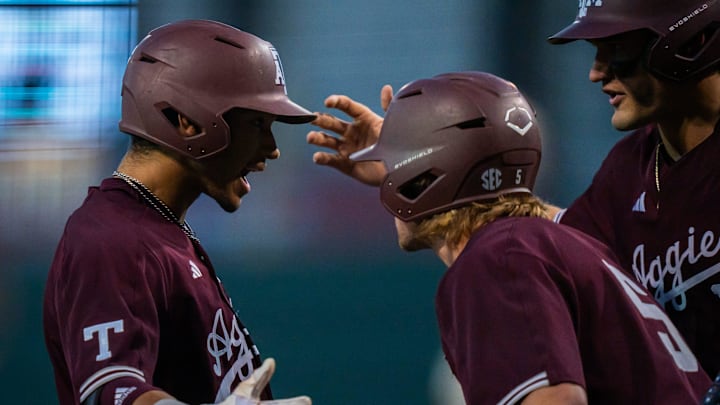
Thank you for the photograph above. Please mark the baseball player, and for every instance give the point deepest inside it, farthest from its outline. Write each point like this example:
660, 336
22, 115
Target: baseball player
529, 311
654, 199
133, 310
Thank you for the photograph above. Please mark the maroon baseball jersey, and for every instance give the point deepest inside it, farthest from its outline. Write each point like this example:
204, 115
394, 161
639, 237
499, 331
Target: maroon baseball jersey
131, 305
529, 303
668, 240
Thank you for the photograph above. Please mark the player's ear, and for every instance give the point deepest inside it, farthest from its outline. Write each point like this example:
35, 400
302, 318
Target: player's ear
184, 125
187, 127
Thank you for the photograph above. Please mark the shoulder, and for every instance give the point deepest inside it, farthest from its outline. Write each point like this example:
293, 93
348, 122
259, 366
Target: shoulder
517, 232
524, 241
111, 229
113, 211
506, 240
97, 224
513, 257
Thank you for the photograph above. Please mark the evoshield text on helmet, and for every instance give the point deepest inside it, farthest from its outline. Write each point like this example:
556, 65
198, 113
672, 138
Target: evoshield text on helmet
201, 69
686, 43
453, 139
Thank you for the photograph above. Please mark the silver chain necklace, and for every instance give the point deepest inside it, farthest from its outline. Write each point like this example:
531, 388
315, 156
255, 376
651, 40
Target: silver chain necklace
156, 203
657, 173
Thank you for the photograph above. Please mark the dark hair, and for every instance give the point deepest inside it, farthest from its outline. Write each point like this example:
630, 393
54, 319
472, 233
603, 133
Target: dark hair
141, 145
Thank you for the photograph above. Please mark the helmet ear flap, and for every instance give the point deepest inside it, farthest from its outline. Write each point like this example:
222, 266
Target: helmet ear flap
693, 47
684, 54
413, 188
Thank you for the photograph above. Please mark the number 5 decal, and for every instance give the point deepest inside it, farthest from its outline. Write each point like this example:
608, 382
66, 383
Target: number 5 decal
683, 357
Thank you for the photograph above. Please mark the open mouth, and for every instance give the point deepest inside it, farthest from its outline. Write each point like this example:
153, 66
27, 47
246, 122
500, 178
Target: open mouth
243, 177
615, 97
251, 168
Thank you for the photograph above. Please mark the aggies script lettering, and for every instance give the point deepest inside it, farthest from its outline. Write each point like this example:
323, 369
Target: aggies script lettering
220, 343
651, 272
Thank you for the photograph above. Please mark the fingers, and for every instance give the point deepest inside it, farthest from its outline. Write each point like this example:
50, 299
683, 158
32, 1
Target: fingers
348, 106
322, 139
253, 386
263, 375
329, 159
386, 95
248, 392
301, 400
330, 123
336, 161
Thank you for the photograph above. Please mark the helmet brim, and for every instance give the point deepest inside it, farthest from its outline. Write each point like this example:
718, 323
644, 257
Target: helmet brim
586, 29
289, 112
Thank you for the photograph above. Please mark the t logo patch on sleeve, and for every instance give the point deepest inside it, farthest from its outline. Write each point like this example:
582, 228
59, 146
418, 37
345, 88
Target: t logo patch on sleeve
101, 330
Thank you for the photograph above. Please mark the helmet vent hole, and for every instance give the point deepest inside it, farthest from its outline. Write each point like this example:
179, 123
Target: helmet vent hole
229, 42
171, 115
417, 92
474, 123
697, 44
147, 59
413, 188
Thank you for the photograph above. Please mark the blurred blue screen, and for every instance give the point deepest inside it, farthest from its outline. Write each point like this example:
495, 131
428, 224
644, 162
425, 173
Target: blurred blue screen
61, 70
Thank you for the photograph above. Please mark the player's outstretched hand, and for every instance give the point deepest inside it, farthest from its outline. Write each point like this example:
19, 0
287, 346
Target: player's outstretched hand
248, 392
350, 137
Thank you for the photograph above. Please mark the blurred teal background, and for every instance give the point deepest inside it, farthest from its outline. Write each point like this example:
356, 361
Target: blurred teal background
310, 259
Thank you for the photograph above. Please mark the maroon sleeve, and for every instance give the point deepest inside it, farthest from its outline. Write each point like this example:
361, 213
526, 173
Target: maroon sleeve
505, 327
106, 303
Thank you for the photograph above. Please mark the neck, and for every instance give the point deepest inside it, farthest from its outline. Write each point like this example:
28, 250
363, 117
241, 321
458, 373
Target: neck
449, 253
163, 176
694, 120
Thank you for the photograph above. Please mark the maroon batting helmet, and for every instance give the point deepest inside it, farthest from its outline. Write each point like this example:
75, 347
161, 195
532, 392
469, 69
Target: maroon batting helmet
452, 139
687, 43
201, 69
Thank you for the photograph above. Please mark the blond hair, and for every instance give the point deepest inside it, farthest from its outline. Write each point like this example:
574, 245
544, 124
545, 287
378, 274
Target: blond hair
456, 226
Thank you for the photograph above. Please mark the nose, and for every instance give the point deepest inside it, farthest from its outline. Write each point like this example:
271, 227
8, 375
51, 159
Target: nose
597, 73
269, 147
600, 69
274, 154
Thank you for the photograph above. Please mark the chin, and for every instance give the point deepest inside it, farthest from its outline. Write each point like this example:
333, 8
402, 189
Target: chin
412, 245
623, 123
230, 206
633, 119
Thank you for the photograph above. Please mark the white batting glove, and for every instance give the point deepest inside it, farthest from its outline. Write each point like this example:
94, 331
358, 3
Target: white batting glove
248, 391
